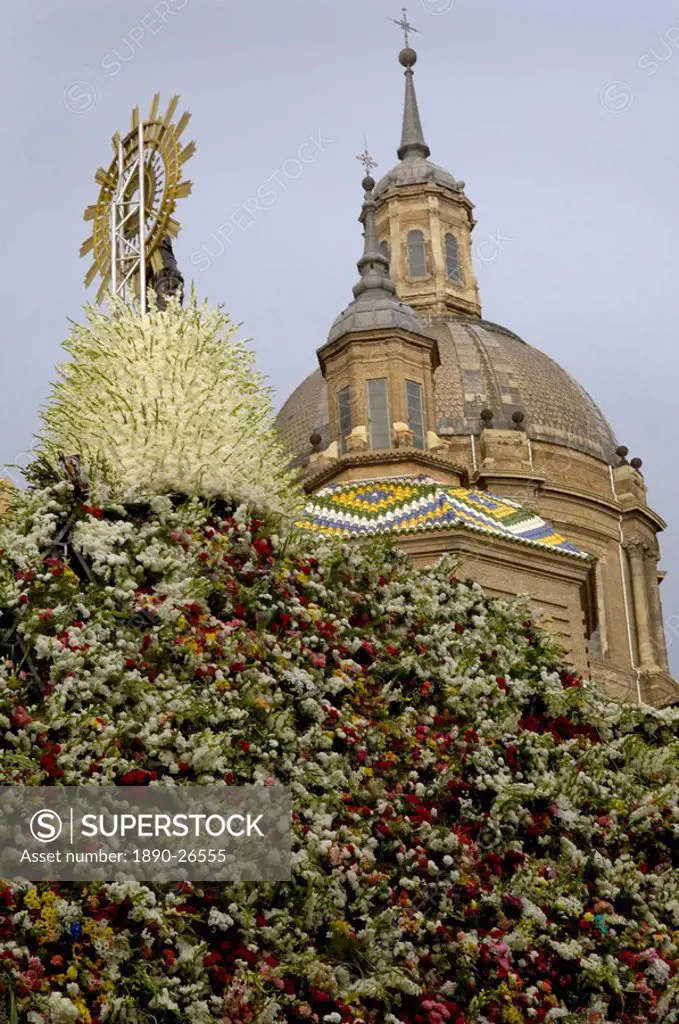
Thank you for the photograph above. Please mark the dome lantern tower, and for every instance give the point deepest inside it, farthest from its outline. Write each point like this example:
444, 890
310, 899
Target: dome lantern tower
425, 220
378, 362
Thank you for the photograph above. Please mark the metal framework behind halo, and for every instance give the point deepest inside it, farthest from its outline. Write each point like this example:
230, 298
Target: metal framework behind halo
127, 257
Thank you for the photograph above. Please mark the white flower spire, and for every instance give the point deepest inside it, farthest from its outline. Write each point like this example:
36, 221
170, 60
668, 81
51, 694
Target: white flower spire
167, 402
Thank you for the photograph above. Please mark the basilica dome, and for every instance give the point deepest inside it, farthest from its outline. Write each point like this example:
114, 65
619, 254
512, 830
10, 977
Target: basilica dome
430, 424
483, 366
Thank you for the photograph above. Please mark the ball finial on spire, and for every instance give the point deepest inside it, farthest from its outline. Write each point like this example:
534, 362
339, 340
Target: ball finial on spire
366, 159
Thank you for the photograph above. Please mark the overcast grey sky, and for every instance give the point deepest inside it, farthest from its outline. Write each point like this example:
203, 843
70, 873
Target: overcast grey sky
561, 118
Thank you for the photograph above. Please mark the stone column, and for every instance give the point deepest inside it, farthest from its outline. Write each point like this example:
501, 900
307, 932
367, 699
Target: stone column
636, 553
656, 610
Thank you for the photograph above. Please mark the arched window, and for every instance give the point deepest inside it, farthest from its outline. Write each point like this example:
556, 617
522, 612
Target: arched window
453, 271
417, 254
415, 408
377, 389
344, 417
384, 248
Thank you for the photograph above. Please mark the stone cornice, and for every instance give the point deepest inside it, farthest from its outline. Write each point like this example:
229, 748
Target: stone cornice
376, 335
401, 190
427, 459
652, 518
499, 549
610, 504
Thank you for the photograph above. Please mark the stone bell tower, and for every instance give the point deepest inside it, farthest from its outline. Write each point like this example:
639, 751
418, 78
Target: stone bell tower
379, 364
425, 222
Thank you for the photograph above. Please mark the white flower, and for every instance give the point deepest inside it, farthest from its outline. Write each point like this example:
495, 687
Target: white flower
61, 1010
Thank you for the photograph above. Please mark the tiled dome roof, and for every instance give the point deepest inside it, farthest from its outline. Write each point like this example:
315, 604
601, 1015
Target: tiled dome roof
418, 505
483, 366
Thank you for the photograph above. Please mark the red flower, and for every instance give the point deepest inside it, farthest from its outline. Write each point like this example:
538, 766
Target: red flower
49, 763
139, 777
98, 513
20, 717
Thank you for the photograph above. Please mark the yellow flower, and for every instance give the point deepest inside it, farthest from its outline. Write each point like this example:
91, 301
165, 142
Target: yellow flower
32, 899
85, 1016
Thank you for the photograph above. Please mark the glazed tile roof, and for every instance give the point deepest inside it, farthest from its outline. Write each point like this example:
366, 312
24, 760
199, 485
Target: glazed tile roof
419, 504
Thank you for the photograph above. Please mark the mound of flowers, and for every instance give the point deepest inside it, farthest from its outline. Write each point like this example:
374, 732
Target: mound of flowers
478, 836
165, 401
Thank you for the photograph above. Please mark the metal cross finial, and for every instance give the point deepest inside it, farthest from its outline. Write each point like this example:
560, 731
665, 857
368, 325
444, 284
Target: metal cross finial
366, 159
405, 25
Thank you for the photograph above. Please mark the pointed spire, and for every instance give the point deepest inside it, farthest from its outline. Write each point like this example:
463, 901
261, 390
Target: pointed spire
375, 305
373, 265
412, 136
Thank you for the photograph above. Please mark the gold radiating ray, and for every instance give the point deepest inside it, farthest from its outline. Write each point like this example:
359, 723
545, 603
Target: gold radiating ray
156, 262
91, 274
187, 152
154, 132
182, 123
169, 113
164, 160
103, 178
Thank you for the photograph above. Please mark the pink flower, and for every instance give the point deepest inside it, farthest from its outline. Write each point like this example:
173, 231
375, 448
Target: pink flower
20, 717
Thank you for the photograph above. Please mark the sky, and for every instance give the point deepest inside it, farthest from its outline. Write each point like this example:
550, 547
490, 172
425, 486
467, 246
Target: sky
561, 119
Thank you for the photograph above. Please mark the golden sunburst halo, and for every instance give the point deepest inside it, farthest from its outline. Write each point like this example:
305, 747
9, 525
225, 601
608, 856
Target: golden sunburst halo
164, 158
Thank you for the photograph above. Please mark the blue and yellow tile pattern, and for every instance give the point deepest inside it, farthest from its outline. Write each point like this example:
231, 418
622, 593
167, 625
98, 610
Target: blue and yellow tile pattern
419, 504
